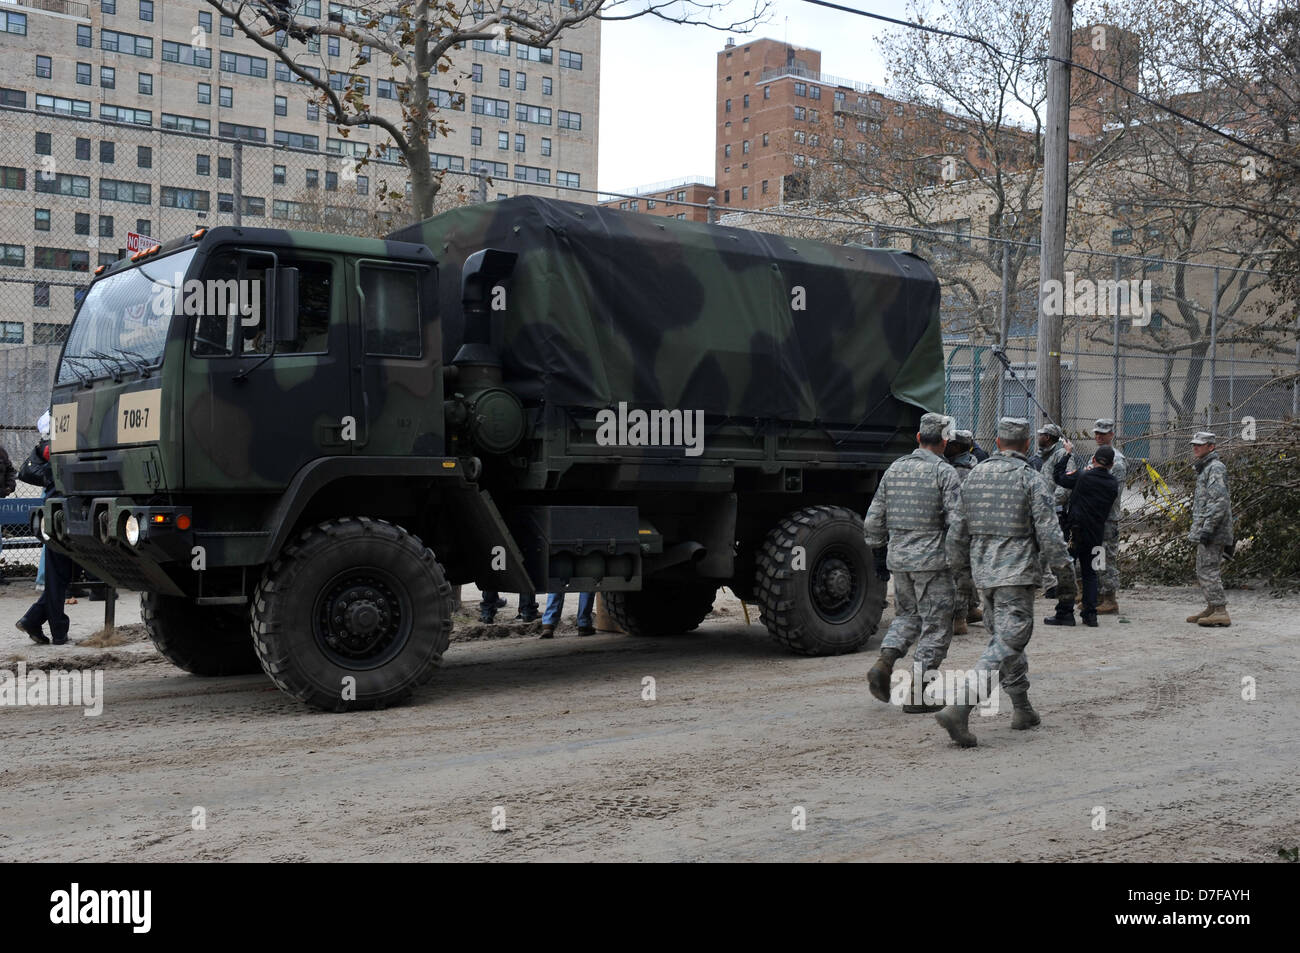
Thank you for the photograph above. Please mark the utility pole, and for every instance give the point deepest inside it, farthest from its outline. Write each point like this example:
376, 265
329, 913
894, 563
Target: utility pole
1056, 173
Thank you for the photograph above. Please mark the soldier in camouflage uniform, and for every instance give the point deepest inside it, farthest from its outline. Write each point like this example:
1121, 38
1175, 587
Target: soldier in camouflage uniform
916, 502
1211, 528
1051, 448
1104, 432
1007, 524
967, 609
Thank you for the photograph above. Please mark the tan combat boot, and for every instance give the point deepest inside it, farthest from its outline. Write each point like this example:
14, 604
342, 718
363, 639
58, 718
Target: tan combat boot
1024, 715
878, 676
959, 625
1108, 605
1200, 615
954, 719
1218, 616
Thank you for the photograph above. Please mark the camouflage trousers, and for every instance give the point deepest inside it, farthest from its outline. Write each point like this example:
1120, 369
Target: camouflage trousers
1009, 616
1209, 562
923, 612
1108, 578
966, 596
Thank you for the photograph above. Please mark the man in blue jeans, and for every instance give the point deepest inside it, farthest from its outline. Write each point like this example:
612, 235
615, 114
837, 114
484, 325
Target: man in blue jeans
555, 605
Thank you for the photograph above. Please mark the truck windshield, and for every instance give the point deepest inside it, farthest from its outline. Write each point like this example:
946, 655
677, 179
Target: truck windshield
122, 324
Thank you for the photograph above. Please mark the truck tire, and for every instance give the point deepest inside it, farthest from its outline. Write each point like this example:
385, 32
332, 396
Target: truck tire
354, 614
201, 640
831, 603
662, 609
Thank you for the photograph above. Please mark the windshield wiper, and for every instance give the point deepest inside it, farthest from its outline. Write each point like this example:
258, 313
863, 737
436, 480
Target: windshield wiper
136, 358
72, 363
104, 359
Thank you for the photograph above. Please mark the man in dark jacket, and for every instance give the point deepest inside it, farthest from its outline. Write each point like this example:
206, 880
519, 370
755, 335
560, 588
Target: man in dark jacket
1093, 493
7, 486
59, 569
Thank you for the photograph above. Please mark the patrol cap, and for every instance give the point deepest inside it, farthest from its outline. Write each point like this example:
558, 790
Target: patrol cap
1204, 436
962, 438
1013, 428
936, 426
1104, 425
1051, 430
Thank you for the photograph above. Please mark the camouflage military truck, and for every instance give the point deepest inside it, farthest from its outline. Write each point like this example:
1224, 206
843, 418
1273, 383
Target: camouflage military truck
529, 395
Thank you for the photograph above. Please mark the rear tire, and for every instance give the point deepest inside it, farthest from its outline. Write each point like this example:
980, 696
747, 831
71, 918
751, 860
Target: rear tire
662, 609
354, 614
830, 601
209, 641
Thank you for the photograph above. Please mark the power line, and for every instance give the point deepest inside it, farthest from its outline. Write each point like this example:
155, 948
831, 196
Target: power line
1020, 58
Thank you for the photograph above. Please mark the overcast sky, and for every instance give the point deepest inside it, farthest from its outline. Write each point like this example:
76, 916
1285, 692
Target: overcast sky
658, 82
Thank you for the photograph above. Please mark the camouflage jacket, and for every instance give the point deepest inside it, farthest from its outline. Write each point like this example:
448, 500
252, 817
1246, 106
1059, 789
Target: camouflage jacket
917, 501
1119, 471
1060, 495
1211, 504
1008, 523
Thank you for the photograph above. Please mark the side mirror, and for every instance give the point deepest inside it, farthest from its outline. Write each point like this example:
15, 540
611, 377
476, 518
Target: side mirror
284, 307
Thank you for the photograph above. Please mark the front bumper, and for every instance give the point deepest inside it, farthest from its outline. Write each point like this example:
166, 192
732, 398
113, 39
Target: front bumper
92, 532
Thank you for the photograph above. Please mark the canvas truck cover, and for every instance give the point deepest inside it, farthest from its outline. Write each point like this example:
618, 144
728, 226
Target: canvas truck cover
607, 306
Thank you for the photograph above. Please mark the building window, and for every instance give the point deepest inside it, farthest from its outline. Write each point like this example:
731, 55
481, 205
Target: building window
40, 299
476, 136
800, 113
765, 186
279, 175
83, 74
726, 196
108, 7
81, 223
227, 96
146, 10
281, 106
387, 89
476, 72
205, 21
143, 226
44, 67
570, 60
144, 84
43, 144
744, 193
144, 157
503, 140
745, 103
503, 78
42, 223
227, 26
205, 93
15, 256
521, 81
223, 167
363, 185
744, 147
106, 152
726, 151
108, 77
11, 332
83, 34
332, 46
83, 148
727, 106
105, 226
202, 165
546, 85
520, 142
225, 202
331, 181
546, 147
569, 120
253, 206
313, 178
313, 112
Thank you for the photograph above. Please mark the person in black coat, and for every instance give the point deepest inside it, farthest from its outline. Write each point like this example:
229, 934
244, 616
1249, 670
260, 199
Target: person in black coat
1093, 491
7, 486
59, 569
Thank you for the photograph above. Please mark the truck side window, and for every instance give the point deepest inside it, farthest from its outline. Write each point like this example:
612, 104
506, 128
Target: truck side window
391, 311
231, 320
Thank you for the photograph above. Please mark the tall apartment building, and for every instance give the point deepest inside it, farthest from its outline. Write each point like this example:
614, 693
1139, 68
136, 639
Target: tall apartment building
779, 118
122, 116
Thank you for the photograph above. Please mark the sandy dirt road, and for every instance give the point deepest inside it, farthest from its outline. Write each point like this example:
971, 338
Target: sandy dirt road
1143, 718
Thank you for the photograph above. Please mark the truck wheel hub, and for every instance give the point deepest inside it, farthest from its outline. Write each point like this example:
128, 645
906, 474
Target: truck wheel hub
835, 593
360, 617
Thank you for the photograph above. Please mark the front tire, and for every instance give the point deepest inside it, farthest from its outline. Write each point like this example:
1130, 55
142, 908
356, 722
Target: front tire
817, 589
354, 614
212, 642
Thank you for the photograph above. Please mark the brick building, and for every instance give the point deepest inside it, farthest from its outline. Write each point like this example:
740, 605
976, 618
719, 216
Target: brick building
665, 199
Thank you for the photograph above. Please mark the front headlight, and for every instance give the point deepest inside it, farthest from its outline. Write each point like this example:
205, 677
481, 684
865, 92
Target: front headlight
131, 530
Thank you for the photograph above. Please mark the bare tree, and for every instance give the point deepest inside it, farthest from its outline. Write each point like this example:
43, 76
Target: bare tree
413, 41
